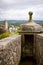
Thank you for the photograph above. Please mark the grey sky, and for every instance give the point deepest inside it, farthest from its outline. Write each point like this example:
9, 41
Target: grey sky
18, 9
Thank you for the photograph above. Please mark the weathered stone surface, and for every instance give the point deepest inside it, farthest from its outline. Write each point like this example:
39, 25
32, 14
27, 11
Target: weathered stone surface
10, 50
39, 49
31, 28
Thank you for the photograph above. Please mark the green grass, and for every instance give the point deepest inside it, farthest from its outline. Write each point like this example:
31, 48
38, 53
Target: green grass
4, 35
7, 34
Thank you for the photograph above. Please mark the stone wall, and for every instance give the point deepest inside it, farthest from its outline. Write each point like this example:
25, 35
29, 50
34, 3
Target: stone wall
39, 49
10, 50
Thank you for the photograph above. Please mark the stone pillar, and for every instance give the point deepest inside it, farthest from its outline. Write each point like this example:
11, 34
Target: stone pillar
5, 25
30, 16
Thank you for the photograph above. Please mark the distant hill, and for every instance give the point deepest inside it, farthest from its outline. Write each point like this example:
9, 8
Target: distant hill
21, 21
39, 21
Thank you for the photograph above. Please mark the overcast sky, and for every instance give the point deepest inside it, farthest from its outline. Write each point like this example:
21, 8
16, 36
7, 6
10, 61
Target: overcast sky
18, 9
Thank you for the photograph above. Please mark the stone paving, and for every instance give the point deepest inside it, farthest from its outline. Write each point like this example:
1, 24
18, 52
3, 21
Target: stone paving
28, 61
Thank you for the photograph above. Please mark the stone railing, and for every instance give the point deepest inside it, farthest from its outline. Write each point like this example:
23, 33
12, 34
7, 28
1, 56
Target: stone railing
10, 50
39, 49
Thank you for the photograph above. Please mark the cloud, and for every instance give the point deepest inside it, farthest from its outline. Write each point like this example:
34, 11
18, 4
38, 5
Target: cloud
18, 9
7, 2
19, 3
12, 14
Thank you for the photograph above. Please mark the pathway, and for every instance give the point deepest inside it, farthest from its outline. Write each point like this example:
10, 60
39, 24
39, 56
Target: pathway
27, 61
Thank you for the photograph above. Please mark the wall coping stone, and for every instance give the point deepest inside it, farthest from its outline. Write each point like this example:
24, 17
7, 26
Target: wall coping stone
40, 35
5, 41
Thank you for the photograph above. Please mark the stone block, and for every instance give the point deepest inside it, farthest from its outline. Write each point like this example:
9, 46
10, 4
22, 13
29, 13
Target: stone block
39, 49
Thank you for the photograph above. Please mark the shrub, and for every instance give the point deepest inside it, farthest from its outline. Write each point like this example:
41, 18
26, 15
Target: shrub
7, 34
4, 35
2, 31
42, 25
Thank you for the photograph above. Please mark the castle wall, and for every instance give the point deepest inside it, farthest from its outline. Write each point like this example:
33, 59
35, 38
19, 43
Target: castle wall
10, 50
39, 49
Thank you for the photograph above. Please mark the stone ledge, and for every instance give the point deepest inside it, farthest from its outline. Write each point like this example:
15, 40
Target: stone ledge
10, 50
40, 36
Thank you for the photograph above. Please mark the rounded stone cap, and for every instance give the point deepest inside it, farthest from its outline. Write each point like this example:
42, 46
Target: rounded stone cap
30, 13
31, 26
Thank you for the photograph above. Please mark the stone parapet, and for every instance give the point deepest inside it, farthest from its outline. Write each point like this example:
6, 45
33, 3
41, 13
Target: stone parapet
10, 50
39, 49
